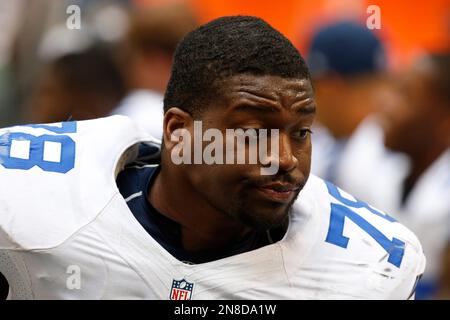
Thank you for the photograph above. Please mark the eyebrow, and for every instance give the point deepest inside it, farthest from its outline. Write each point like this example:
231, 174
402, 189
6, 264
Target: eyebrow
245, 107
308, 109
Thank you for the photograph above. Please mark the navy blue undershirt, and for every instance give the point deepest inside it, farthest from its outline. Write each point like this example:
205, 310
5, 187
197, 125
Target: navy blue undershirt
135, 180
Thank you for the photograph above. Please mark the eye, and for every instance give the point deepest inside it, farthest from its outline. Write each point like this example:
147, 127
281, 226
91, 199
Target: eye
302, 134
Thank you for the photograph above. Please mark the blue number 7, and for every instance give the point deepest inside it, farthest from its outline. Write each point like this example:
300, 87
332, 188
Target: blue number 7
395, 248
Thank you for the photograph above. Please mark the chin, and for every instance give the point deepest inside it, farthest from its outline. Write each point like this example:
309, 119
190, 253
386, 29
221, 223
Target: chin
259, 213
265, 218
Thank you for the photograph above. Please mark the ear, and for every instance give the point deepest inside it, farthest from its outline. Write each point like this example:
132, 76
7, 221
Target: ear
174, 119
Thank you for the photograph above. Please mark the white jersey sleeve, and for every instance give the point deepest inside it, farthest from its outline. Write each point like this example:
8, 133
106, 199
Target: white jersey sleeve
50, 181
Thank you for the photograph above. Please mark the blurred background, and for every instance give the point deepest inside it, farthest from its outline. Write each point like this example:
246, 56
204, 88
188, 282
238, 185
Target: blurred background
380, 70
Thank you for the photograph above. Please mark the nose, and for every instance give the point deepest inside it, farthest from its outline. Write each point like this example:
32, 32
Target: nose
287, 160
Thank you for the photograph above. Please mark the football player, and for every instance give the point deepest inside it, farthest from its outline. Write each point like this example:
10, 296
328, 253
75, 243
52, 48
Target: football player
99, 210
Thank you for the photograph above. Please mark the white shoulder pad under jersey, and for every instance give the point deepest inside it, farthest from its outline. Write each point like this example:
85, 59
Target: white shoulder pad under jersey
359, 251
56, 178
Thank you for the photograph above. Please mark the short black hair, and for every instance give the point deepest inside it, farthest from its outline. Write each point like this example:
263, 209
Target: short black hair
223, 48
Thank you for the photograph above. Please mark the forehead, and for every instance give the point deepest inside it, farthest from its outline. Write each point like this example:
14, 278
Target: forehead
266, 86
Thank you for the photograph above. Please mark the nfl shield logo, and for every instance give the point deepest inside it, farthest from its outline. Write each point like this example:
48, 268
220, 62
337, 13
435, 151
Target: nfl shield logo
181, 290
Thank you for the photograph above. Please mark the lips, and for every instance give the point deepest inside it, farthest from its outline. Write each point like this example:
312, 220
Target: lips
280, 187
278, 191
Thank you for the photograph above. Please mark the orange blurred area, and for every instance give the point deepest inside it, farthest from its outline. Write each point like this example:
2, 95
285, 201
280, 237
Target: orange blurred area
281, 15
414, 27
408, 28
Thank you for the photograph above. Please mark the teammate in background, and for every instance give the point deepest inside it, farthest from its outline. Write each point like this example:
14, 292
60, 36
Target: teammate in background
347, 63
79, 86
98, 209
409, 164
146, 60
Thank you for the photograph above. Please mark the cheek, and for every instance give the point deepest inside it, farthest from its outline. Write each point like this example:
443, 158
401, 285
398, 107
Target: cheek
216, 179
303, 155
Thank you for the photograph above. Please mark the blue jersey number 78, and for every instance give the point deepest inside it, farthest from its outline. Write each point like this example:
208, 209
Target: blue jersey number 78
37, 147
395, 248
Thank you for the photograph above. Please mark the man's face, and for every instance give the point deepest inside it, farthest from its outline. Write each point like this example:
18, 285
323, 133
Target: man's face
345, 101
240, 190
407, 112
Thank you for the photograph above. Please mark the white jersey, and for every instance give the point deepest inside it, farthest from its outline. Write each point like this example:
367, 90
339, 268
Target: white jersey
67, 233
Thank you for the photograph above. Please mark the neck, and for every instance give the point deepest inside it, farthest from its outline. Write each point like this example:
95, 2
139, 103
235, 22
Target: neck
203, 227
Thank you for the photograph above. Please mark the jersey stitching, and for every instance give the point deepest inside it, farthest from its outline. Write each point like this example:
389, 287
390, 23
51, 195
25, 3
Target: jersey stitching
136, 270
80, 229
